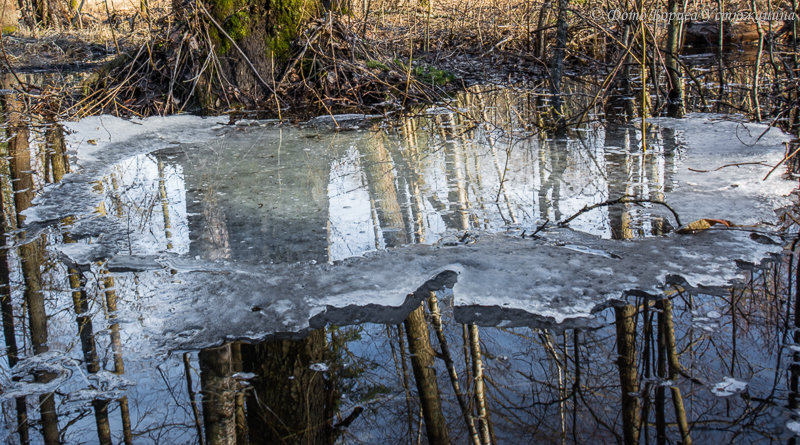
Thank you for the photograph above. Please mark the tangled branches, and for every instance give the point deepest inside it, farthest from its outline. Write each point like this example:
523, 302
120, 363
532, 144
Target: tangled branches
331, 69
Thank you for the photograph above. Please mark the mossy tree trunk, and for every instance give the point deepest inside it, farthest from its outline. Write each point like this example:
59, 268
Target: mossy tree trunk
252, 40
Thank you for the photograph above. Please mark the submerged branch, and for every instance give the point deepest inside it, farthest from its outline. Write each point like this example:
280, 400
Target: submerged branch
627, 199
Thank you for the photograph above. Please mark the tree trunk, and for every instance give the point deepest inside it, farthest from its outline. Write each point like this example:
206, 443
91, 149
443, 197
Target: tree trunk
290, 403
252, 40
628, 376
422, 362
9, 16
557, 66
218, 395
675, 107
30, 254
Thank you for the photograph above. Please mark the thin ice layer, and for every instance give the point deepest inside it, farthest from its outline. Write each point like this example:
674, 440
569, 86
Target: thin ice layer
721, 172
564, 276
202, 303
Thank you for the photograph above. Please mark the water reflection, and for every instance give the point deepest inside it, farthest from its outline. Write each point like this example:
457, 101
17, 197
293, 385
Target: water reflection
81, 366
310, 196
651, 374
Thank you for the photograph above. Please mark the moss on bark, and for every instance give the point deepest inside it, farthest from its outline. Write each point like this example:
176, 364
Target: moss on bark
253, 40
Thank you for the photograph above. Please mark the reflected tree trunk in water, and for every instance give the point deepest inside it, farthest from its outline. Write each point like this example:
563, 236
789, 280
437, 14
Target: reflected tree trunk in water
56, 151
667, 330
162, 192
456, 172
116, 348
80, 303
30, 255
436, 321
187, 370
661, 373
794, 368
381, 180
480, 387
7, 305
411, 157
422, 363
239, 404
290, 402
218, 395
406, 387
625, 317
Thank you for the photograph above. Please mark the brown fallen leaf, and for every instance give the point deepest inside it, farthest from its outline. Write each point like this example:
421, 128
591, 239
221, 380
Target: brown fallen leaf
91, 142
703, 224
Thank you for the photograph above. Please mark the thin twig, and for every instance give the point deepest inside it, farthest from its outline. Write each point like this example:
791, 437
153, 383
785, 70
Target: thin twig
627, 199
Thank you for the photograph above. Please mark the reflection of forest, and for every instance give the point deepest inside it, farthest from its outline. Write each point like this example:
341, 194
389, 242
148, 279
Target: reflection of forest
416, 182
649, 372
652, 373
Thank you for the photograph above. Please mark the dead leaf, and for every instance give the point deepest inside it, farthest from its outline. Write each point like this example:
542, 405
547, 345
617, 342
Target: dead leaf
91, 141
703, 224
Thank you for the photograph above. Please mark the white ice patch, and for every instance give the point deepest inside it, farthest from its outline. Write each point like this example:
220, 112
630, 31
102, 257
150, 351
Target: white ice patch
728, 387
318, 367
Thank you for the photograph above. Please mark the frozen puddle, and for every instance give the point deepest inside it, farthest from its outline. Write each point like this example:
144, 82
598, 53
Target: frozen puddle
244, 231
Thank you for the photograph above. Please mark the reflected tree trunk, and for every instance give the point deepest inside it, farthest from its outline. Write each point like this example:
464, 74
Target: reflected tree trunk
240, 413
116, 348
218, 395
162, 191
80, 303
30, 254
56, 152
9, 332
480, 387
667, 330
625, 317
660, 403
381, 180
406, 387
187, 370
422, 363
289, 402
436, 321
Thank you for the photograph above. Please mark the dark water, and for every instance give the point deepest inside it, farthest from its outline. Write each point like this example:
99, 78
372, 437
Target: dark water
90, 354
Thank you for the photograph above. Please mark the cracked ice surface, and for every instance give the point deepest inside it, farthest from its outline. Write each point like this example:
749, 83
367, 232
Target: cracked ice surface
499, 277
278, 229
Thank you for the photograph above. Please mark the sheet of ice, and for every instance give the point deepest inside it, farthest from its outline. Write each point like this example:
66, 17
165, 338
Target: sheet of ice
499, 278
722, 169
100, 142
268, 207
728, 387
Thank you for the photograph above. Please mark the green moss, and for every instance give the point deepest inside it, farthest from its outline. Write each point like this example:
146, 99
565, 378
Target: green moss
234, 17
432, 75
9, 29
238, 25
286, 16
376, 64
